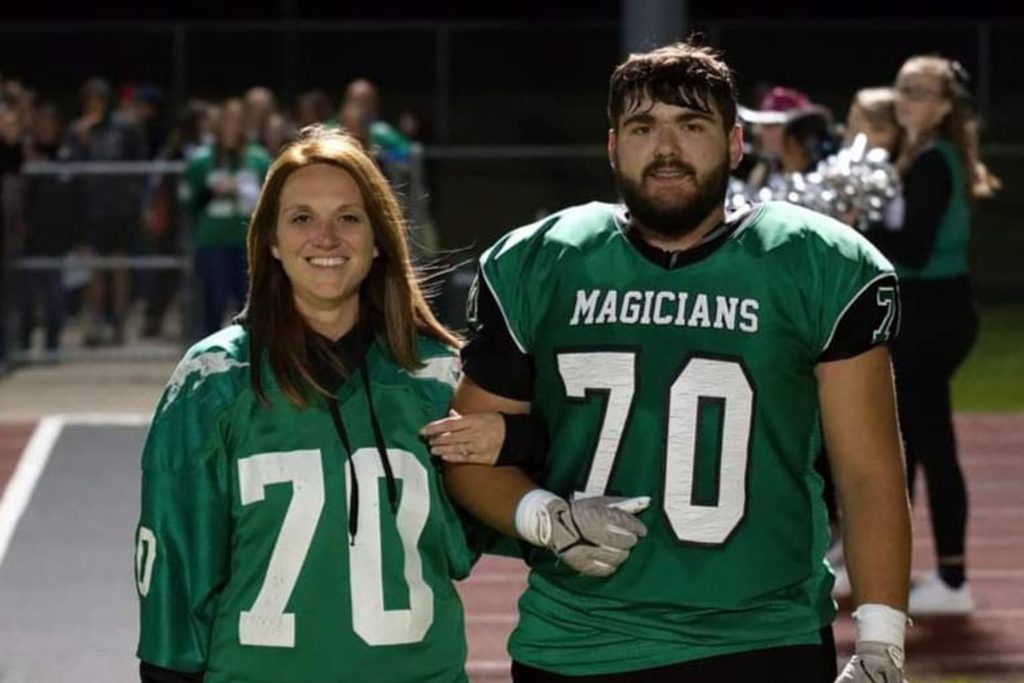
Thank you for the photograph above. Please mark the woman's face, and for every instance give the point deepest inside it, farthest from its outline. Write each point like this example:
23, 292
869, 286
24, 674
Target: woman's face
324, 242
921, 102
229, 125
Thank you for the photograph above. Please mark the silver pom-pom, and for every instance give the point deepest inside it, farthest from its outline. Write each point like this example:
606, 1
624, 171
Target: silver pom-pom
856, 186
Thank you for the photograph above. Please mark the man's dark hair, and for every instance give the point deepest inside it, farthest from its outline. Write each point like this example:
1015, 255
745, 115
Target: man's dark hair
681, 74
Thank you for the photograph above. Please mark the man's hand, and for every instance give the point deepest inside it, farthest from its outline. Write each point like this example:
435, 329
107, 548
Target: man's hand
878, 654
591, 535
874, 662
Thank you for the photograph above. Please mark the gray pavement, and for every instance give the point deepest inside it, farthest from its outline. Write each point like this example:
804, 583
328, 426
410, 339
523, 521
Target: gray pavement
67, 591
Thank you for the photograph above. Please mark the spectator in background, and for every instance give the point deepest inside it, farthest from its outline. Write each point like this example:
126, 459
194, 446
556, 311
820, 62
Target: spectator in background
312, 107
777, 105
12, 143
361, 102
51, 211
110, 207
17, 97
260, 104
277, 132
939, 318
45, 141
393, 150
160, 211
873, 114
11, 159
409, 125
221, 184
807, 139
144, 105
355, 121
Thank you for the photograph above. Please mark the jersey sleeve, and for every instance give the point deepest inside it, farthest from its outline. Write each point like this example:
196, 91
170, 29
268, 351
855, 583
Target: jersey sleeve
859, 297
436, 381
492, 358
183, 536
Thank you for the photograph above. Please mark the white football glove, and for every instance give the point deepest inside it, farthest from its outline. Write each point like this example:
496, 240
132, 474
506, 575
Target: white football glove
874, 662
591, 535
878, 653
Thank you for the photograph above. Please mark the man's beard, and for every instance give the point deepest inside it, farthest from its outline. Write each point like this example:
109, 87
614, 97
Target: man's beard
684, 215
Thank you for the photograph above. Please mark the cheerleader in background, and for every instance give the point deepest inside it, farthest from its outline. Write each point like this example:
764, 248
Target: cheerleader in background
941, 175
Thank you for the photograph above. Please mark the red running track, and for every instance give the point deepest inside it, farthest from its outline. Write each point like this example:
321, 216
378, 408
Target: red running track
986, 646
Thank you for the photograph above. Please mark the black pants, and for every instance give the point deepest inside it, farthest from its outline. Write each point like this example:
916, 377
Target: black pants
938, 328
794, 664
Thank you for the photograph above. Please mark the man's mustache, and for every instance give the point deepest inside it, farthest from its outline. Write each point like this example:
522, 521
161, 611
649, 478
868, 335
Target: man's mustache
672, 165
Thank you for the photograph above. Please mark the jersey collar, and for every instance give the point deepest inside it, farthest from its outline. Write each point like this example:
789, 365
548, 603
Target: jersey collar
670, 260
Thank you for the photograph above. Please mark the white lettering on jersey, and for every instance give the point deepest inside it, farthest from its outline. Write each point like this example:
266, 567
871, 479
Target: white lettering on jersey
586, 304
607, 314
699, 315
681, 308
631, 307
725, 312
661, 298
748, 311
648, 298
650, 307
206, 364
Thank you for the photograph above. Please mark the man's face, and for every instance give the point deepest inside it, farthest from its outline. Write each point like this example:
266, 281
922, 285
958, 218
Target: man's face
672, 164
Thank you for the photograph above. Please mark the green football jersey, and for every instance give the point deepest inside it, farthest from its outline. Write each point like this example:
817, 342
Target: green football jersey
245, 564
692, 383
223, 220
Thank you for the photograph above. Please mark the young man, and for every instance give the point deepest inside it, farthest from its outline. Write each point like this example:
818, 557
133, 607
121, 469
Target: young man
693, 359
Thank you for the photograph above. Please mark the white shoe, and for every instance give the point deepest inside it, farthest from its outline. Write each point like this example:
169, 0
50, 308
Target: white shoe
841, 589
931, 595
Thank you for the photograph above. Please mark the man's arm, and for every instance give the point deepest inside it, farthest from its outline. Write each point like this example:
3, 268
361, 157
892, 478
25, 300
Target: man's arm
489, 493
862, 438
593, 536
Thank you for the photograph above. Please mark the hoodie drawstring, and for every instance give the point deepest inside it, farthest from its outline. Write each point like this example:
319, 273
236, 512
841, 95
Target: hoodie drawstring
378, 437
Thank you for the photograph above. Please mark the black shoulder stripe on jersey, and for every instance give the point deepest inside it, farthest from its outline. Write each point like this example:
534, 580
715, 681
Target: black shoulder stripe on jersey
871, 319
491, 358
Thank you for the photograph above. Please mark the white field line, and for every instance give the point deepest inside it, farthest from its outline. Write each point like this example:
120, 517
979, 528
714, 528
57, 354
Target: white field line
30, 466
16, 496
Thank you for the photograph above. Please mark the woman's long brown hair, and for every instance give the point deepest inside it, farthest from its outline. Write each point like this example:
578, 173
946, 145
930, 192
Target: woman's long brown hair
391, 303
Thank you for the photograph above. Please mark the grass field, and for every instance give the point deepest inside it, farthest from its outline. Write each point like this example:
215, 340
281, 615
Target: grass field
992, 378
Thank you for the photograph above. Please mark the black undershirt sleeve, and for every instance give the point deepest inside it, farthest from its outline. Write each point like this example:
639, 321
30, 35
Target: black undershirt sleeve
927, 190
491, 357
525, 444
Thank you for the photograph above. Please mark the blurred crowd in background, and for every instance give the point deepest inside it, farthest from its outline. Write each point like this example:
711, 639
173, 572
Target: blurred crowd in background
224, 148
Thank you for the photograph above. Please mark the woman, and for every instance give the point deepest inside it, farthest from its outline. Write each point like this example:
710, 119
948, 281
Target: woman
221, 184
294, 526
939, 318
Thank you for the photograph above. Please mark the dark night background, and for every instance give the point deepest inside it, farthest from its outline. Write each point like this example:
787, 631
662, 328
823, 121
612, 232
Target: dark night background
524, 73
